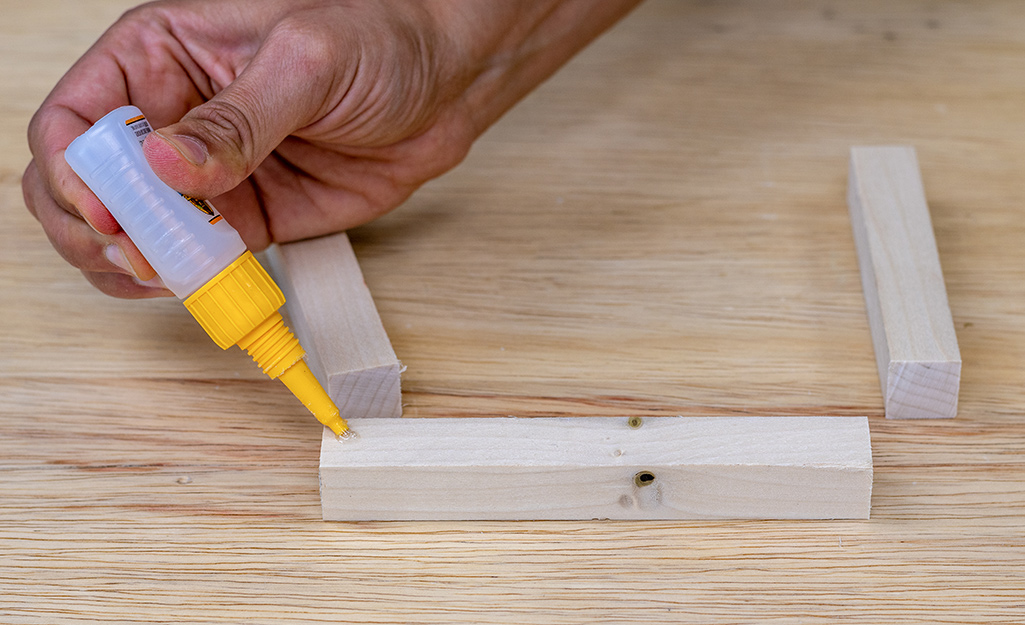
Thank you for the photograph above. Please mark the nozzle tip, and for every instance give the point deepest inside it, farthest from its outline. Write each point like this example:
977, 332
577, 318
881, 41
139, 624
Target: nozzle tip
304, 385
345, 435
336, 424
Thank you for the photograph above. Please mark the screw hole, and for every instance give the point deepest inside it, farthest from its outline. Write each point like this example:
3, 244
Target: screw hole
644, 478
634, 422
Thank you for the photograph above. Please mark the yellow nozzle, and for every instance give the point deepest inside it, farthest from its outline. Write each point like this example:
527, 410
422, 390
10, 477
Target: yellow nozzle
239, 306
299, 379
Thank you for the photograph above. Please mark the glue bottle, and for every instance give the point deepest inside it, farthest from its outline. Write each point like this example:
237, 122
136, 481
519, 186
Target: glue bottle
197, 255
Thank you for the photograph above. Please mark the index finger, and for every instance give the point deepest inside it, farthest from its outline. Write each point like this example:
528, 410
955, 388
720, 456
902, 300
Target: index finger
65, 115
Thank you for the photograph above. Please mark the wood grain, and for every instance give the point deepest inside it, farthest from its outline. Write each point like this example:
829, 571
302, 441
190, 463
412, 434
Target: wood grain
912, 330
660, 229
599, 468
335, 319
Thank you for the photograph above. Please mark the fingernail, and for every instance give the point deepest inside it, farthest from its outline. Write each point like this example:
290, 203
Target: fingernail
191, 148
118, 258
156, 283
92, 225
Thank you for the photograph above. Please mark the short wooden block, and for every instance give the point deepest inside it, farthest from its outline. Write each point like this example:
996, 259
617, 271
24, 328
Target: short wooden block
599, 468
909, 316
334, 317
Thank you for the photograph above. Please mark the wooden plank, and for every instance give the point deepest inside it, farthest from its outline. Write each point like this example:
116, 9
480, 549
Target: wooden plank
599, 468
915, 345
334, 317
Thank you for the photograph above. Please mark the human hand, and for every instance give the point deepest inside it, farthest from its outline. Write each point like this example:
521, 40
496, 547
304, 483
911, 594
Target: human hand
298, 118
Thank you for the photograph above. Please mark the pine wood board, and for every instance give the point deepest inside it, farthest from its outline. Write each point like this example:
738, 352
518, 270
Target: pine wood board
912, 330
578, 468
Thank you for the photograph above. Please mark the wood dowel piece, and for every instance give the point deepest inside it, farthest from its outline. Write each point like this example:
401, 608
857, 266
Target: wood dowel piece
909, 316
333, 315
599, 468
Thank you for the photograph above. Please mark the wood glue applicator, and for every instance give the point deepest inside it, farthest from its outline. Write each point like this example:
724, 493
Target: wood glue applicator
197, 255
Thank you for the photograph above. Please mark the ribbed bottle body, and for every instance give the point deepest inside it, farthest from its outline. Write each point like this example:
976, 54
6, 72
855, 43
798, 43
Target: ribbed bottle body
184, 239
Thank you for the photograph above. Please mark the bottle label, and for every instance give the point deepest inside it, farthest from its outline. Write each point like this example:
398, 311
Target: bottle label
204, 206
141, 128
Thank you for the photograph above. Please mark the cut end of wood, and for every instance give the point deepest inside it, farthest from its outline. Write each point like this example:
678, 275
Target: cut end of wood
922, 390
368, 393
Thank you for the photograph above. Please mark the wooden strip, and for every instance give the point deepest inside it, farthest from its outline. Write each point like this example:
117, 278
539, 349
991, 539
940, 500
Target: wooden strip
598, 468
909, 316
334, 317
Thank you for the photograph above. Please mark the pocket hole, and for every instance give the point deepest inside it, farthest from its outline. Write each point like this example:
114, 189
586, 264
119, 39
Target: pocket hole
644, 478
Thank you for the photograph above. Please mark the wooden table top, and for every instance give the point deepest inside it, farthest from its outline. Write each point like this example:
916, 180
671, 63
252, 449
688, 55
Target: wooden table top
660, 229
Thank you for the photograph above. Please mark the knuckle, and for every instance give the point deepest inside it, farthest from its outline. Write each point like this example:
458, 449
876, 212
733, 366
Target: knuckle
312, 47
69, 246
230, 124
29, 181
138, 29
143, 15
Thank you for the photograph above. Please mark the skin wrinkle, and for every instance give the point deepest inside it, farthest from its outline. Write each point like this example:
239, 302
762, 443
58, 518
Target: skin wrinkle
314, 129
191, 67
314, 67
168, 36
146, 42
374, 103
124, 79
307, 183
69, 102
356, 107
268, 224
424, 75
236, 128
219, 73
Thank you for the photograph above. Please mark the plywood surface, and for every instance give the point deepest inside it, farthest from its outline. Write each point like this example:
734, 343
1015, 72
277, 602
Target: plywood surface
660, 230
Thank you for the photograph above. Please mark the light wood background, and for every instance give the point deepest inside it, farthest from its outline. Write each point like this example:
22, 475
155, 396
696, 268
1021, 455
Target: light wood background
660, 229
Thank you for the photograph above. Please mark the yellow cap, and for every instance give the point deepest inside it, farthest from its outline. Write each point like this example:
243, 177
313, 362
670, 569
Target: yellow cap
239, 306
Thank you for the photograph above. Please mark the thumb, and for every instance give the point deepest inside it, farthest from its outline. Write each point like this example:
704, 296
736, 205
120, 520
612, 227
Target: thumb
216, 145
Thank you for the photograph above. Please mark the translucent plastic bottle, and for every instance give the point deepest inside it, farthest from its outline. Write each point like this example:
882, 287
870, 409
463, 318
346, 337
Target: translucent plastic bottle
197, 255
